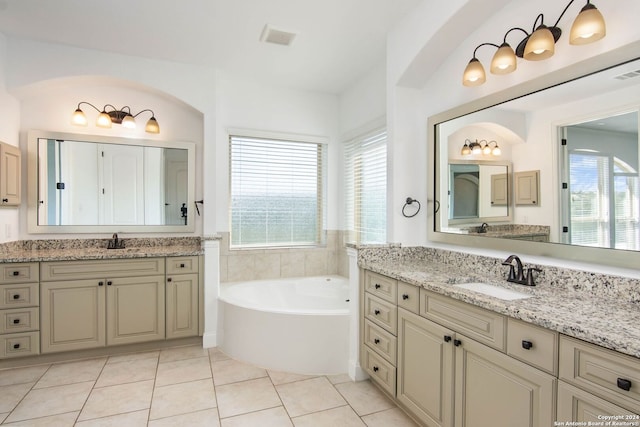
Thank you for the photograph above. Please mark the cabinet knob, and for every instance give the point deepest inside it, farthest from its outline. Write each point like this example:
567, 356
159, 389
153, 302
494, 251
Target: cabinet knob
169, 279
100, 283
457, 343
405, 297
624, 384
447, 338
181, 265
527, 345
16, 296
16, 321
5, 200
376, 312
109, 283
377, 286
16, 273
376, 341
376, 369
16, 346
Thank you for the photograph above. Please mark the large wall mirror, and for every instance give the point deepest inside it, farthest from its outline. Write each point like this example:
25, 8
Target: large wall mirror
571, 140
91, 184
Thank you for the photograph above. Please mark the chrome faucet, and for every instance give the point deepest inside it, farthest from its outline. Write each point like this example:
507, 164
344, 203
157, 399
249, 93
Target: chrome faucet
518, 275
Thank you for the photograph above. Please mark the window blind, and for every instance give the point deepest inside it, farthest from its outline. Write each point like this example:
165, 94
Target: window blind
277, 191
365, 171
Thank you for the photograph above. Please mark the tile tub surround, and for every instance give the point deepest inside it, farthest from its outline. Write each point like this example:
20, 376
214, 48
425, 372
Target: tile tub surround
78, 249
273, 263
597, 308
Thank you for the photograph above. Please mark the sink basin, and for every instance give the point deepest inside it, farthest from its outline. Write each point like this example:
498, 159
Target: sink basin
494, 291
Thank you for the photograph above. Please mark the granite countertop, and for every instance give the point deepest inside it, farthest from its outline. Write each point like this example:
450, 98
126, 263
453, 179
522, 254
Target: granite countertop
601, 320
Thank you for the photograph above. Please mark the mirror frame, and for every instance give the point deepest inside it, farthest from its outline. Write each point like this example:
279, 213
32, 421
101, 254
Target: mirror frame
601, 256
32, 185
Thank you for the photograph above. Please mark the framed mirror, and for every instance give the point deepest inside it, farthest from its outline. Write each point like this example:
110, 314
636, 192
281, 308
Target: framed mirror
93, 184
577, 129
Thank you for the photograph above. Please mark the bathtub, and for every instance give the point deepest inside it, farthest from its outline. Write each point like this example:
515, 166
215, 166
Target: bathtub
298, 325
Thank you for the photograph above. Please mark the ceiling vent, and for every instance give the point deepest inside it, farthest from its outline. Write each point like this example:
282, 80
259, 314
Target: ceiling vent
629, 75
277, 36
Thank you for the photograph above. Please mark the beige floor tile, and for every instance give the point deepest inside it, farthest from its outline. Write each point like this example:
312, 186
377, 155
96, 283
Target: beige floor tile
72, 372
274, 417
217, 355
182, 398
62, 420
207, 418
131, 419
128, 372
181, 353
247, 396
129, 357
22, 375
340, 378
364, 397
11, 395
304, 397
52, 401
391, 417
278, 377
181, 371
343, 416
117, 399
232, 371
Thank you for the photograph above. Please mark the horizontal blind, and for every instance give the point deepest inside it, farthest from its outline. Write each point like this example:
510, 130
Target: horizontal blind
276, 192
366, 188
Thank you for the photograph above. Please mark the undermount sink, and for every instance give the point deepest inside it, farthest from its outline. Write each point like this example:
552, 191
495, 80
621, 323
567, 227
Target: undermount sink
494, 291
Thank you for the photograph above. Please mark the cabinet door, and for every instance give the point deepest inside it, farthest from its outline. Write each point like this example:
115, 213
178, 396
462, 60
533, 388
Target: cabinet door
575, 404
72, 315
9, 175
135, 309
182, 305
493, 389
425, 369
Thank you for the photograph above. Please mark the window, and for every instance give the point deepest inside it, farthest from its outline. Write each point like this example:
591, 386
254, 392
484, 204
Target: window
366, 188
277, 192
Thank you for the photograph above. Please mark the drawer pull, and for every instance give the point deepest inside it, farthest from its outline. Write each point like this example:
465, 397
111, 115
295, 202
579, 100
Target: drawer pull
376, 369
457, 343
447, 338
376, 312
169, 279
109, 283
100, 283
405, 297
376, 341
16, 296
16, 346
377, 286
527, 345
624, 384
16, 273
16, 321
181, 265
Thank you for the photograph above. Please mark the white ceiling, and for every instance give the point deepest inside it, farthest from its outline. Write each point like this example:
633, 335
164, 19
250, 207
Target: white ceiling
337, 41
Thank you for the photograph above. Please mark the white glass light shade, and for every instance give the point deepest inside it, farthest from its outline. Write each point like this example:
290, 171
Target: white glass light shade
588, 27
477, 149
541, 45
152, 126
486, 149
78, 118
129, 122
465, 150
474, 74
103, 121
504, 60
496, 151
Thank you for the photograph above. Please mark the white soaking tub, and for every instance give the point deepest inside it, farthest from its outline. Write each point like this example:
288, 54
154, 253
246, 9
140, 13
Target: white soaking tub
298, 325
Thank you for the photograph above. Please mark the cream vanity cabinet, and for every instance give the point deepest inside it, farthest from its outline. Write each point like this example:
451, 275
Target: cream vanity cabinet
9, 175
19, 310
87, 304
182, 297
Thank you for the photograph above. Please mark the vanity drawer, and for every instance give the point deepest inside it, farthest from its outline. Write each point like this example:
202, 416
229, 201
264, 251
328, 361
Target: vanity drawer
381, 312
532, 344
19, 320
22, 344
482, 325
381, 286
381, 341
19, 295
409, 297
381, 371
182, 265
19, 273
101, 269
601, 371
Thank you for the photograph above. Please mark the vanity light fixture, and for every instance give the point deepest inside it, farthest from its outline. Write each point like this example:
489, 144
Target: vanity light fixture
588, 27
121, 116
477, 147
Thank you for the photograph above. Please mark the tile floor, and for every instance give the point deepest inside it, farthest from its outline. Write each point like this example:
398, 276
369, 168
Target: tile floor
186, 386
